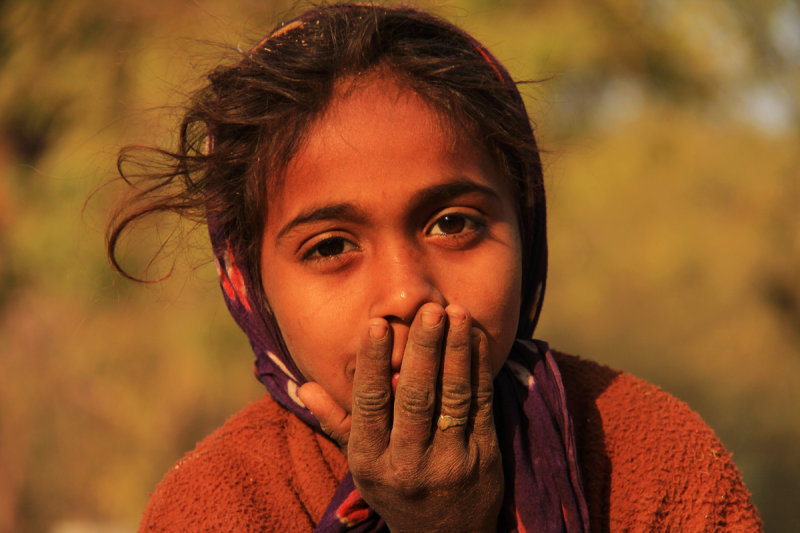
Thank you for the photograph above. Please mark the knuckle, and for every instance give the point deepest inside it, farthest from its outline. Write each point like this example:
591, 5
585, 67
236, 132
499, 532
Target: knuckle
456, 395
414, 400
484, 414
406, 474
408, 481
426, 340
362, 468
372, 401
484, 391
452, 470
408, 486
458, 342
483, 396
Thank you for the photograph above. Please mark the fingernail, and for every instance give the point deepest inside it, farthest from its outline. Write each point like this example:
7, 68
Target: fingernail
430, 319
378, 332
456, 319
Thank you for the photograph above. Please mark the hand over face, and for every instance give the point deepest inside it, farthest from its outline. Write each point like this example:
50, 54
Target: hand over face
427, 454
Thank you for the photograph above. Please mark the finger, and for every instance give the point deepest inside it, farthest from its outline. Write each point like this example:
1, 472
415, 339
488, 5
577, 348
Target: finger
415, 398
482, 388
372, 392
333, 419
456, 395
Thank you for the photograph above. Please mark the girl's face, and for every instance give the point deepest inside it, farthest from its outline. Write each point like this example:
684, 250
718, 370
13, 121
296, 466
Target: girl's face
383, 209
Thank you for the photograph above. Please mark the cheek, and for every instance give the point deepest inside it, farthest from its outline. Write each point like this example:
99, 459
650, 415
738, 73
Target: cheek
494, 300
503, 330
321, 342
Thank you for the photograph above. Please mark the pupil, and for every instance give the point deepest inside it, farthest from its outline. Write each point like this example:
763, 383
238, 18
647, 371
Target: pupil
330, 247
452, 224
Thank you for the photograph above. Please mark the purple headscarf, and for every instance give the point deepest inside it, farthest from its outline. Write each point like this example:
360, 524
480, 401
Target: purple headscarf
543, 489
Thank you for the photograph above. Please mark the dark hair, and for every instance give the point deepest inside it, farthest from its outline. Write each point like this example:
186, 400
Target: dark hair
243, 127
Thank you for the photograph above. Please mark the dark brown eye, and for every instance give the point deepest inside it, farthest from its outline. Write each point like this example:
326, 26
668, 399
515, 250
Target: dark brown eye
451, 224
329, 247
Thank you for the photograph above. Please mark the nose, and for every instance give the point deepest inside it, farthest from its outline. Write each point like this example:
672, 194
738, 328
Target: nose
403, 281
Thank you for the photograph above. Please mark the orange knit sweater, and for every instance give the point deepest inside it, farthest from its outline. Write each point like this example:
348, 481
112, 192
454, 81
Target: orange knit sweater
648, 463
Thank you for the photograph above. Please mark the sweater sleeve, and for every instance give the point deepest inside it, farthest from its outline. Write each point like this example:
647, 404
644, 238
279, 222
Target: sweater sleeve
649, 463
248, 475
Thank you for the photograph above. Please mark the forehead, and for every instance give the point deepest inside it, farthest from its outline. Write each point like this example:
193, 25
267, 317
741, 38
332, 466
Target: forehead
378, 104
370, 123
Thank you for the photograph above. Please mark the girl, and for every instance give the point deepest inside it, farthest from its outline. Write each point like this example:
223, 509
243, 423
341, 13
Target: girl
374, 197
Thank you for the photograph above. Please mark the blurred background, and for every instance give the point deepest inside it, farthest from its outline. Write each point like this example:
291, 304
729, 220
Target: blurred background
671, 133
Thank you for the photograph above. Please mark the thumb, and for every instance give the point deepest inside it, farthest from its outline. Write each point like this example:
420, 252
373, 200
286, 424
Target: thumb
333, 419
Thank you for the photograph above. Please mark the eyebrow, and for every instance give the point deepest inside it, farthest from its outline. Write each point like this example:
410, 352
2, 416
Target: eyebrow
343, 211
422, 200
437, 194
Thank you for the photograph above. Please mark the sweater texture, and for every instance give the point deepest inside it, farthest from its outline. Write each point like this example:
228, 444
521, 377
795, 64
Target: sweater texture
648, 463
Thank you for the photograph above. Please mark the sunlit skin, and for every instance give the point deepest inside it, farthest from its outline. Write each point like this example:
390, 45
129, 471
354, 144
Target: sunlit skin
391, 259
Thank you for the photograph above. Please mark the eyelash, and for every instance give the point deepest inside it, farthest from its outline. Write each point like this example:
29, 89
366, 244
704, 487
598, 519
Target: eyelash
472, 226
313, 253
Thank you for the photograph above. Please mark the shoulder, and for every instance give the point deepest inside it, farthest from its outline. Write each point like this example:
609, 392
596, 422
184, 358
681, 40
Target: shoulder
648, 461
245, 476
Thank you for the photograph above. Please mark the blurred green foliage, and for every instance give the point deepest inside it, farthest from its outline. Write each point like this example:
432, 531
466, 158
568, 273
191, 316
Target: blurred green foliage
671, 130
